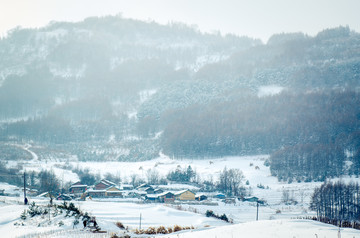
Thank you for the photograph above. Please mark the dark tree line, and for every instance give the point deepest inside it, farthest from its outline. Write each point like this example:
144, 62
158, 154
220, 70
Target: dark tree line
308, 162
43, 181
337, 202
306, 133
261, 125
182, 175
230, 182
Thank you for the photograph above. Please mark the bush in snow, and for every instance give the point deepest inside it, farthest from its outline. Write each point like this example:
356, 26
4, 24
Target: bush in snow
177, 228
139, 231
116, 236
150, 230
161, 230
209, 213
120, 225
34, 210
23, 215
75, 222
224, 218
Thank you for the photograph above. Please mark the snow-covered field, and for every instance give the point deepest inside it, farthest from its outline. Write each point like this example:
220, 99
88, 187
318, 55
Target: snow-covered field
155, 215
273, 229
261, 183
275, 219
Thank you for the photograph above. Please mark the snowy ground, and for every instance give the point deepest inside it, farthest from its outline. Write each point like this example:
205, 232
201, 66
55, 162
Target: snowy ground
273, 229
155, 215
276, 218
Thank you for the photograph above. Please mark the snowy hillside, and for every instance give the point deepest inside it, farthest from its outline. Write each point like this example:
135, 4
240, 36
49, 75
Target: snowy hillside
276, 219
273, 229
154, 215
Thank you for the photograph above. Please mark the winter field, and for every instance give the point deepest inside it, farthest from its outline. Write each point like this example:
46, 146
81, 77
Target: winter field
275, 219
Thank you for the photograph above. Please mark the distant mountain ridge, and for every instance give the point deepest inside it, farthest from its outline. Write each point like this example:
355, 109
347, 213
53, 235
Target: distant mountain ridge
111, 88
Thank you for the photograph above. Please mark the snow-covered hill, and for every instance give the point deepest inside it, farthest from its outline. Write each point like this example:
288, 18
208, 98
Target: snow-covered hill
273, 229
156, 215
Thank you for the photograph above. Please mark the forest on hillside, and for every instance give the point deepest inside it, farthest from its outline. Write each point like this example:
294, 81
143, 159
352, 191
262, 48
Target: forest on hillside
110, 88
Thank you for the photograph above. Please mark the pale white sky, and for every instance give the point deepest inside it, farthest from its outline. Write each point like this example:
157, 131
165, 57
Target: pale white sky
254, 18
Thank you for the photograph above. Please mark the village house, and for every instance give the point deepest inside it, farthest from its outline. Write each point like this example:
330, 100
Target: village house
185, 195
127, 187
220, 196
152, 198
136, 194
149, 190
113, 192
158, 191
103, 184
93, 193
166, 197
77, 189
105, 193
146, 188
63, 197
143, 186
201, 197
250, 199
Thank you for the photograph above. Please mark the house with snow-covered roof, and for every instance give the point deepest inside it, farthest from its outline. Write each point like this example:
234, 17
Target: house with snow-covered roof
113, 192
77, 189
103, 184
164, 197
185, 195
127, 187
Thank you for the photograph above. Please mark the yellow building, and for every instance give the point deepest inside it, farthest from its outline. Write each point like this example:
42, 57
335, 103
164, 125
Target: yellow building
185, 195
113, 192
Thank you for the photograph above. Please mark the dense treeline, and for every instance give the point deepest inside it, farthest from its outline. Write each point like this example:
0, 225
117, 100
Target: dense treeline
262, 125
175, 89
337, 201
11, 176
309, 129
308, 162
43, 181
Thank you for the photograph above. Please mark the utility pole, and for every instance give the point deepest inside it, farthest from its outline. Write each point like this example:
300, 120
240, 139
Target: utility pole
257, 210
25, 199
140, 222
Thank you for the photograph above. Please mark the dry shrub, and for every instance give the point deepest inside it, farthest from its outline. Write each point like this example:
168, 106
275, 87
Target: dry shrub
116, 236
150, 231
120, 225
170, 230
177, 228
139, 232
207, 226
161, 230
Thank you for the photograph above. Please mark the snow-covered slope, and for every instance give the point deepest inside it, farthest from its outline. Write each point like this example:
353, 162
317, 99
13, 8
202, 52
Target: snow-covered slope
272, 229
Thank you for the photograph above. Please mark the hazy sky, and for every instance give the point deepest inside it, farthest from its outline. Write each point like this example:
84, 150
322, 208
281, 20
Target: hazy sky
254, 18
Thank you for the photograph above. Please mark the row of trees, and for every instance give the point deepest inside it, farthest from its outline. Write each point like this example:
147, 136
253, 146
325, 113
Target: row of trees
308, 162
302, 124
337, 201
43, 181
182, 175
231, 182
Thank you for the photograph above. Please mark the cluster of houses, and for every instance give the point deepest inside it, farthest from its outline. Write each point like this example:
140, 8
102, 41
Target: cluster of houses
108, 189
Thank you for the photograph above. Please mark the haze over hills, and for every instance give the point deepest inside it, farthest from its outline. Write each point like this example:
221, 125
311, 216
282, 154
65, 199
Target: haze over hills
118, 89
